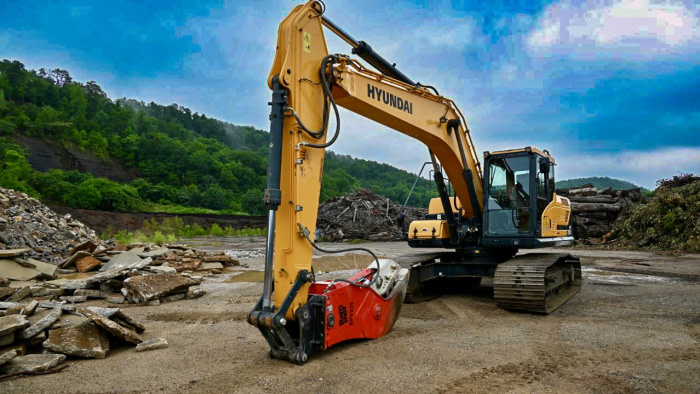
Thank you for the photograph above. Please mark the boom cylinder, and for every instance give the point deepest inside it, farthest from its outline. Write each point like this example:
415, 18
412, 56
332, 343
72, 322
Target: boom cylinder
273, 195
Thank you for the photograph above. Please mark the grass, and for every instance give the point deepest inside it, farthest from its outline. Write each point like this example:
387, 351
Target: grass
170, 230
183, 210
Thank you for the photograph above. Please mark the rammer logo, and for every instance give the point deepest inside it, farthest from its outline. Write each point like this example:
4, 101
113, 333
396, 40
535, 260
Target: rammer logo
389, 99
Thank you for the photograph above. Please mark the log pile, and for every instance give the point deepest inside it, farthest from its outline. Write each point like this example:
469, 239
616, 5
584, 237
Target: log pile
364, 215
595, 211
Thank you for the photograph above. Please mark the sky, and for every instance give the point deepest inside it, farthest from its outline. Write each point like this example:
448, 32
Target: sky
609, 87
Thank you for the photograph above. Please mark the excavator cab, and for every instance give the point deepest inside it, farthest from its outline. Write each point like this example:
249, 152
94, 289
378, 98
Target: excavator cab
521, 208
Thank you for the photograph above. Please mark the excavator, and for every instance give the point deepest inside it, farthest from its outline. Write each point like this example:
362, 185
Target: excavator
481, 220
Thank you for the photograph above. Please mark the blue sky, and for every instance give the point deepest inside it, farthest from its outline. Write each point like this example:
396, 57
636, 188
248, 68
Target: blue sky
610, 87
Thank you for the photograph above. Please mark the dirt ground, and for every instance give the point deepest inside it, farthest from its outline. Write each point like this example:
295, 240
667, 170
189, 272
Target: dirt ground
634, 327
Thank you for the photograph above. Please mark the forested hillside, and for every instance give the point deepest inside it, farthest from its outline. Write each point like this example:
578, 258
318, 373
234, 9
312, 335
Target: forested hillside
173, 157
598, 182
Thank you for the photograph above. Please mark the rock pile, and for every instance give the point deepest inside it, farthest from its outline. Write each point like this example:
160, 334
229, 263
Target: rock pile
59, 330
141, 274
595, 211
364, 215
26, 223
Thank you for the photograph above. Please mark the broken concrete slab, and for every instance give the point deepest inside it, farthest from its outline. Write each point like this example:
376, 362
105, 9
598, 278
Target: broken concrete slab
84, 340
32, 363
87, 263
122, 260
13, 252
48, 270
7, 356
10, 269
141, 289
112, 327
41, 324
153, 344
12, 323
69, 320
115, 272
54, 305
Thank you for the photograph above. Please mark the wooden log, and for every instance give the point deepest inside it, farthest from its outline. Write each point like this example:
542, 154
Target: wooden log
588, 207
603, 199
585, 191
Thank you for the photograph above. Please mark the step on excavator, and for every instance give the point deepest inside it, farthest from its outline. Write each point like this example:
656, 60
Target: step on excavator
481, 222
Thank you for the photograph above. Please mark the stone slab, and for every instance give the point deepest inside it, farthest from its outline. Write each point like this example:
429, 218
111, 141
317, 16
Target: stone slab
154, 253
87, 246
30, 308
112, 327
84, 340
7, 339
42, 324
162, 269
87, 263
12, 270
7, 356
211, 266
38, 291
153, 344
20, 294
32, 363
120, 317
122, 260
7, 291
142, 289
13, 252
73, 258
12, 323
45, 268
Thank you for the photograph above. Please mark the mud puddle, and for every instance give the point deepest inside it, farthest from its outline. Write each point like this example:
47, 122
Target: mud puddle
594, 275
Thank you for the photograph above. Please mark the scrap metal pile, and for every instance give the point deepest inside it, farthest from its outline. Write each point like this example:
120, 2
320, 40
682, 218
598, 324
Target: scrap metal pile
364, 215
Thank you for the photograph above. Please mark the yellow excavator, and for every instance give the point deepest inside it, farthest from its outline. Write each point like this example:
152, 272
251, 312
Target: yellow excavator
482, 221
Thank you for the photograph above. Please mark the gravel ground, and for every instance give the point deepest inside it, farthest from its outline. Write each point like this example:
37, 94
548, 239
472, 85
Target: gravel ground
634, 327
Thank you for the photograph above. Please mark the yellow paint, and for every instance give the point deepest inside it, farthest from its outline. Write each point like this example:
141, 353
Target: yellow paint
557, 213
423, 229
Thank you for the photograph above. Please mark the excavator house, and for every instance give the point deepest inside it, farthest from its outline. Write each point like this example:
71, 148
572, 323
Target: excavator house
475, 227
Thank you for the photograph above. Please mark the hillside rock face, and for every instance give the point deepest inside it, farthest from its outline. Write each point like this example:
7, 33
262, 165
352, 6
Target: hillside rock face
26, 223
48, 155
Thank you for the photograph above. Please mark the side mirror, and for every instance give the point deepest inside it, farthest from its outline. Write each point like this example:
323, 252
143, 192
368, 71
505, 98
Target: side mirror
544, 166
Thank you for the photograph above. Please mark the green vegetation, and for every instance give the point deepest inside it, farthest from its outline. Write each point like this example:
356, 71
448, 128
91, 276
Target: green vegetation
598, 182
184, 160
169, 230
670, 220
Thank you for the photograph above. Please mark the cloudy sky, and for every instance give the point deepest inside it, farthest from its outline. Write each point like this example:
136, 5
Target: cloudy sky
610, 87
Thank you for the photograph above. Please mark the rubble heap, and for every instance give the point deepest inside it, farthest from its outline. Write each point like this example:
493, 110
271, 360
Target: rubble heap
364, 215
26, 223
595, 211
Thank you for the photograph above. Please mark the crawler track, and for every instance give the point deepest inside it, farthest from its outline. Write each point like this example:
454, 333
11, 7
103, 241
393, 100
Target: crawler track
537, 282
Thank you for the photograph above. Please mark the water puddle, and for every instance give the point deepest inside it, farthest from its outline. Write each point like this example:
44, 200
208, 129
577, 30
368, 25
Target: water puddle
612, 277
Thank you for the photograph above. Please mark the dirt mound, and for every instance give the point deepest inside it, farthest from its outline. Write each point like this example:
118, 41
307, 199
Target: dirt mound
364, 215
668, 221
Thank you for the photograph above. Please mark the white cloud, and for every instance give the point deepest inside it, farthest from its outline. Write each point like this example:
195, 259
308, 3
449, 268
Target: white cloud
637, 28
641, 167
